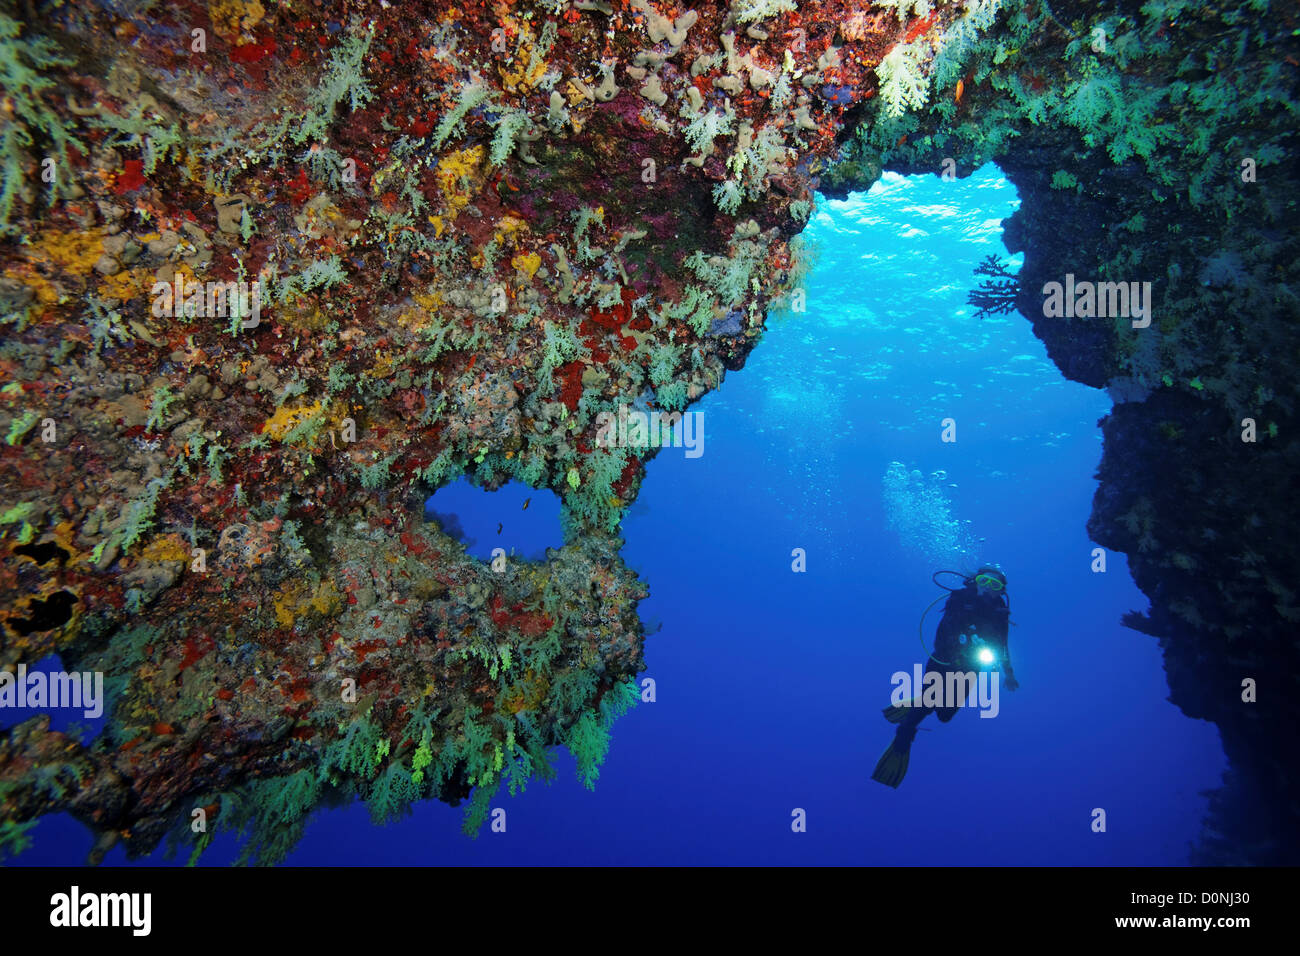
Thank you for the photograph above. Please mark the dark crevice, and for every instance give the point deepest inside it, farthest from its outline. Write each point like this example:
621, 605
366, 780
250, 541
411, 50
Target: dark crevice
54, 611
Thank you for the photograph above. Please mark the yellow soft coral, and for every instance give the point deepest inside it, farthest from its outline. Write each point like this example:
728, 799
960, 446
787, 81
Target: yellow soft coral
509, 229
287, 419
75, 252
168, 547
293, 601
126, 285
527, 263
455, 169
230, 18
61, 254
528, 69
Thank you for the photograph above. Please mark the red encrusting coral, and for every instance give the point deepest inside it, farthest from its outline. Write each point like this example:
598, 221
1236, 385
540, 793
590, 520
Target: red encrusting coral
517, 620
919, 27
196, 649
131, 177
570, 376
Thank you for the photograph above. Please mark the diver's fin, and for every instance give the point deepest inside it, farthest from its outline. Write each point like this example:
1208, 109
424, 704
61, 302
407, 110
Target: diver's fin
896, 714
892, 766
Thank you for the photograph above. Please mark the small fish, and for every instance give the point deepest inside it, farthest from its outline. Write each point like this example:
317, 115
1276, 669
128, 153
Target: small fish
499, 527
525, 507
961, 88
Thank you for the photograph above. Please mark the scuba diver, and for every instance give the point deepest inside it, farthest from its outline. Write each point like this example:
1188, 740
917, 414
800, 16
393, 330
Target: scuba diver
972, 636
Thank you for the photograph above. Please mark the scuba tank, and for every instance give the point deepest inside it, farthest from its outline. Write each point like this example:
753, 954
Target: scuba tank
975, 643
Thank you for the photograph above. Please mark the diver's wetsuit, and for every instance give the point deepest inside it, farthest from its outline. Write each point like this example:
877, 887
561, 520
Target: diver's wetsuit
967, 614
964, 614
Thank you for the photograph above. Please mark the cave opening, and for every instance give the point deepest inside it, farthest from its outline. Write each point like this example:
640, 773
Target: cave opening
829, 493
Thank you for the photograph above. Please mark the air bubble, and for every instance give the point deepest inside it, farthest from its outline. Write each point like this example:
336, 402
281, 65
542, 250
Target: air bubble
920, 512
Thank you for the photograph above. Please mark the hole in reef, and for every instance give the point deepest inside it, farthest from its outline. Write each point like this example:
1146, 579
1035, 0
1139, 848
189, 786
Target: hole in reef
523, 521
43, 552
81, 714
47, 614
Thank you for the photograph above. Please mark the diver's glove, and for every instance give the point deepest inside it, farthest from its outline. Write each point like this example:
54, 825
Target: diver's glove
1012, 683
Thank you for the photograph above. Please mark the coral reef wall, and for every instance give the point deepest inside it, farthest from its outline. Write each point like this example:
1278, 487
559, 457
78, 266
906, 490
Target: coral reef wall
273, 273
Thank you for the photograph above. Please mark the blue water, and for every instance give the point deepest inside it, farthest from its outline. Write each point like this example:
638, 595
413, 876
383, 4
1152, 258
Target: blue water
770, 683
521, 521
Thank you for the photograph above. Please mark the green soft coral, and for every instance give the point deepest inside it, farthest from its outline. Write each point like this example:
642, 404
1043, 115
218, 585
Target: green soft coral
589, 744
20, 426
509, 126
470, 96
392, 794
752, 11
593, 500
25, 66
903, 83
14, 837
142, 129
139, 512
354, 752
343, 79
559, 345
423, 757
706, 126
273, 814
588, 741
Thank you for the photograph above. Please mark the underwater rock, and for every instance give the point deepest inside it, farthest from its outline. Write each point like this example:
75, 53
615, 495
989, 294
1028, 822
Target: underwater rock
728, 325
